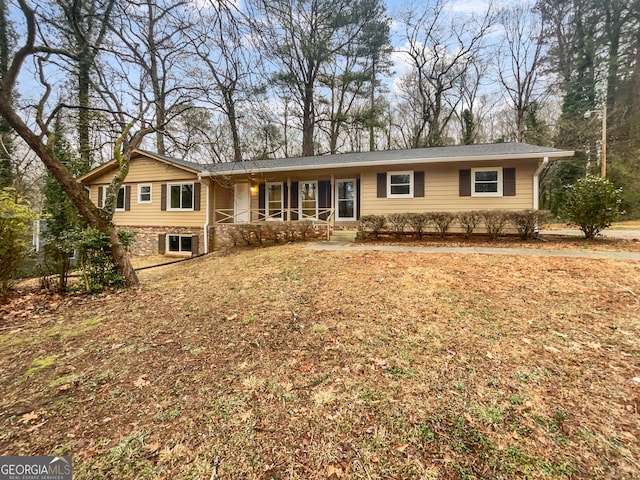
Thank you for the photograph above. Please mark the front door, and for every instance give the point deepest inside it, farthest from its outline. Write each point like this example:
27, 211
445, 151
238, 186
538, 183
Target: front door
241, 203
346, 199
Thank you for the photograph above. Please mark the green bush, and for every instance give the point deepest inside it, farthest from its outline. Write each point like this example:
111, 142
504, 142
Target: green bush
372, 224
592, 204
397, 222
16, 219
95, 260
494, 222
418, 222
442, 221
468, 221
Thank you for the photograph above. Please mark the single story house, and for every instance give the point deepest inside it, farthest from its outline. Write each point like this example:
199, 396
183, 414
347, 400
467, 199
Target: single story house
177, 206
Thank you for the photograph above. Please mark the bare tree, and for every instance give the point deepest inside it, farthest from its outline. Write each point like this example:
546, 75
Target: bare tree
439, 50
224, 64
83, 25
150, 39
519, 60
301, 36
34, 124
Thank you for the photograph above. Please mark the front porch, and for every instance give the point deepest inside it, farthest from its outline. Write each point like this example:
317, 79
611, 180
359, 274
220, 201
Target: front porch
322, 201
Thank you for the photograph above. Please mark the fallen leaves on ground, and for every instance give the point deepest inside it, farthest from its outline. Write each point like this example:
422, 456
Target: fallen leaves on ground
288, 363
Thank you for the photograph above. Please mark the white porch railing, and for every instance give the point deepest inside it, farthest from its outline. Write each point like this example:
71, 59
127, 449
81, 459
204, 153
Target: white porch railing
240, 216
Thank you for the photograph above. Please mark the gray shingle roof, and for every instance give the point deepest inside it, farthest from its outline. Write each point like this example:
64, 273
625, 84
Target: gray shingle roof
495, 151
487, 151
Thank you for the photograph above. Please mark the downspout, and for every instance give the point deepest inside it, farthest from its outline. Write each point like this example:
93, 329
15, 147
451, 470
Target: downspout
207, 214
536, 183
536, 189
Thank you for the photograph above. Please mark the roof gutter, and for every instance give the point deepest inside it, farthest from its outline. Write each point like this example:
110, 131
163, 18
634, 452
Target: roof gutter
365, 163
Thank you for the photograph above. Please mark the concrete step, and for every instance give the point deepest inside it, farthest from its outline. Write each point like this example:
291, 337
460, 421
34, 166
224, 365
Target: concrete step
343, 236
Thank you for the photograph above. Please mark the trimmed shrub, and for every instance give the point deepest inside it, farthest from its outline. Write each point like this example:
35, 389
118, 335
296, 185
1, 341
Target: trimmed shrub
494, 222
527, 221
305, 227
469, 222
397, 222
418, 222
592, 204
372, 224
442, 221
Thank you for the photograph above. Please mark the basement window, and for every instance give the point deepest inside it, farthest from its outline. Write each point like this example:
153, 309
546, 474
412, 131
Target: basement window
179, 243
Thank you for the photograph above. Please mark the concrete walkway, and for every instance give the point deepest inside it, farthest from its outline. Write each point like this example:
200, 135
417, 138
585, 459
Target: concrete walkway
611, 233
536, 252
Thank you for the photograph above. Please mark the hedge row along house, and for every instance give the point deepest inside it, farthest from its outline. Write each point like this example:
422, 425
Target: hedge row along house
180, 207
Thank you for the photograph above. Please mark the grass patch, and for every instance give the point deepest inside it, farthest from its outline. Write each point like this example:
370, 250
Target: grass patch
40, 364
370, 364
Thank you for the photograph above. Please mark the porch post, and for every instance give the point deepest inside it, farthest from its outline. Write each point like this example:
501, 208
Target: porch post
288, 199
214, 186
333, 200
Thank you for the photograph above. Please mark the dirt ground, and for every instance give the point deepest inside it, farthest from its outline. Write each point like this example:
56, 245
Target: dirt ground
285, 363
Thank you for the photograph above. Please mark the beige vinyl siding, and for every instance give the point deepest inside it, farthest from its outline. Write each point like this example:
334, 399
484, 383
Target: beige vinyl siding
223, 202
146, 171
442, 193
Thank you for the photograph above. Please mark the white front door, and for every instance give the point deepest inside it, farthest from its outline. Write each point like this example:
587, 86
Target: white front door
241, 203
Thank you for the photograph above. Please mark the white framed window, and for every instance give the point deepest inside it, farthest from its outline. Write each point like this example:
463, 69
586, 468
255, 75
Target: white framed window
309, 200
180, 196
179, 243
486, 182
120, 200
144, 193
346, 199
400, 184
274, 201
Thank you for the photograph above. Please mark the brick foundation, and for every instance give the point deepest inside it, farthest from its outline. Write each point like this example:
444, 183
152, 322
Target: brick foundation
147, 238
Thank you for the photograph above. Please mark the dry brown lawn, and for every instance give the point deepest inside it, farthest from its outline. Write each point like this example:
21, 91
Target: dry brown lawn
285, 363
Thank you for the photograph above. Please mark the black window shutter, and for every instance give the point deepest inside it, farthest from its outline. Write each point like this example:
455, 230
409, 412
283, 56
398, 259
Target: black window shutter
195, 240
162, 243
261, 201
163, 196
196, 196
324, 198
294, 200
357, 199
418, 184
100, 196
382, 185
509, 182
127, 198
465, 183
285, 195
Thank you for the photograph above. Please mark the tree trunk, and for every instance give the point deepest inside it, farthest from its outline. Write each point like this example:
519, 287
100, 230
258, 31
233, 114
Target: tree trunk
229, 102
72, 188
84, 81
307, 122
